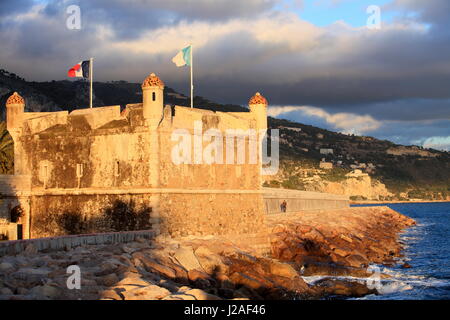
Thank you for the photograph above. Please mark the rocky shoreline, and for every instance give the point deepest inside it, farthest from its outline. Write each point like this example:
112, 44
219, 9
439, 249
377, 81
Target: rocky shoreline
330, 243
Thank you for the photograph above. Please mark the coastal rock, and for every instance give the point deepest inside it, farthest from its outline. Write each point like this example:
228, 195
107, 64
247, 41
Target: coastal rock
30, 250
343, 288
201, 295
31, 276
209, 261
282, 269
224, 281
46, 292
406, 266
6, 291
151, 292
110, 295
6, 267
356, 261
151, 265
187, 259
200, 279
109, 280
179, 296
251, 281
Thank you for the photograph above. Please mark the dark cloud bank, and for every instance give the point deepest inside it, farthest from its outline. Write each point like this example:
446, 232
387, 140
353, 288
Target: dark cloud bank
399, 75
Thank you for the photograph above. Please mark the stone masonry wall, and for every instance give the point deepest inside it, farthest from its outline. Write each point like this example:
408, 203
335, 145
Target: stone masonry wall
55, 215
181, 214
108, 160
211, 214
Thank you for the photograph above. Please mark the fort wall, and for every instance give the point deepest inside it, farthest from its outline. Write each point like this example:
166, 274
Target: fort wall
103, 170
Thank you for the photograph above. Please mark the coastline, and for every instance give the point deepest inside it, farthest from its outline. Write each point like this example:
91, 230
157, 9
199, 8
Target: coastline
397, 201
330, 243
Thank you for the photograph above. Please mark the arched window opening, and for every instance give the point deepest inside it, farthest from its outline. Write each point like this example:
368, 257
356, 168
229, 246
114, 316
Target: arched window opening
16, 213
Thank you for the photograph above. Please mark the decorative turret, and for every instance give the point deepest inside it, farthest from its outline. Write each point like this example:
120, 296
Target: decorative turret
153, 99
15, 106
258, 106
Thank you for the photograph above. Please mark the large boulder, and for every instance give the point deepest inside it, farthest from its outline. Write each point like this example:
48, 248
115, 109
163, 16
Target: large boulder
332, 287
187, 259
109, 280
151, 265
356, 261
210, 262
6, 267
45, 292
282, 269
200, 279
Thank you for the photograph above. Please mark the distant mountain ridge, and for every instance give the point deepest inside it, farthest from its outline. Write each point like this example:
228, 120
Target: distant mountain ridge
71, 95
407, 171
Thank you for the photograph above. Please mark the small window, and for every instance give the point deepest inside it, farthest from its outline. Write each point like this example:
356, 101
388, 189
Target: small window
79, 170
154, 96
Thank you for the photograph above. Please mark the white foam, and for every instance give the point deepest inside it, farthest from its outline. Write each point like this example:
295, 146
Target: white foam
388, 287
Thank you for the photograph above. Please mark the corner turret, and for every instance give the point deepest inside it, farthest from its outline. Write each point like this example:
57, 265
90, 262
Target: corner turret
153, 99
258, 106
15, 107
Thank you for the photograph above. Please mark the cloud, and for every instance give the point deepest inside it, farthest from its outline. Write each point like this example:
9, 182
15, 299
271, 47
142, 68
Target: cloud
128, 19
345, 122
358, 77
435, 12
291, 60
405, 110
13, 7
439, 143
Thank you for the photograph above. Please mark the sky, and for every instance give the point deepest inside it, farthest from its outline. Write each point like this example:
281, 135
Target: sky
316, 61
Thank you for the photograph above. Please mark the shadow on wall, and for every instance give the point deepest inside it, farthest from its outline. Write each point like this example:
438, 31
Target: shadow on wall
6, 150
6, 168
121, 216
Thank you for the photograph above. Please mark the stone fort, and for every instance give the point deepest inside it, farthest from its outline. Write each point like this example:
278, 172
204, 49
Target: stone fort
103, 169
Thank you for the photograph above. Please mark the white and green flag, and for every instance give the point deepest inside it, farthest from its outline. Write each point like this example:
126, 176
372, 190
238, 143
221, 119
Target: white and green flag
183, 58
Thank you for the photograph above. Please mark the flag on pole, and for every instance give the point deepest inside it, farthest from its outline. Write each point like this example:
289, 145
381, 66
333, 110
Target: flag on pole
84, 69
80, 70
183, 58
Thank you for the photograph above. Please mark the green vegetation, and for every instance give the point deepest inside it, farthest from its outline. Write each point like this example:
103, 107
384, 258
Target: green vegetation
335, 174
293, 182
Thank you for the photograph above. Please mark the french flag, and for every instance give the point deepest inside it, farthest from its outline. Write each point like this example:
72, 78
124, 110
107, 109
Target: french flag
80, 70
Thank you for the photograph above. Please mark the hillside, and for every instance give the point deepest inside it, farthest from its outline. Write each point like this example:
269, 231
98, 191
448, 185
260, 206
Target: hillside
408, 172
387, 171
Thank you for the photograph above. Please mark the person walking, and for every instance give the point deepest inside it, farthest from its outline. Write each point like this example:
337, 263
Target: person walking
283, 206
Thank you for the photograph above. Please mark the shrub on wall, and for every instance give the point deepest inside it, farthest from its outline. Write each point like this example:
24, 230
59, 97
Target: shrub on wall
72, 223
124, 217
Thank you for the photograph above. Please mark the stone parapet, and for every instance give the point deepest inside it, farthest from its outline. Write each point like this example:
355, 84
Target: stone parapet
297, 201
66, 242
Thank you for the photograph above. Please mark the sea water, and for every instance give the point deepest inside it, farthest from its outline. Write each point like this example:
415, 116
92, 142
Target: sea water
427, 250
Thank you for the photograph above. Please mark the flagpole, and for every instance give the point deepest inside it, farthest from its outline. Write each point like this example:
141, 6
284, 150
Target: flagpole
192, 78
91, 76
